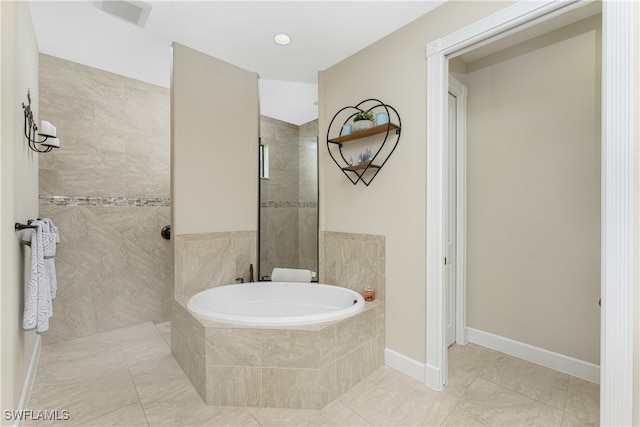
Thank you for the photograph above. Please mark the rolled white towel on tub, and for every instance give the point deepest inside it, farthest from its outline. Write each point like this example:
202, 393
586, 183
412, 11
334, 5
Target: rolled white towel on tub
291, 275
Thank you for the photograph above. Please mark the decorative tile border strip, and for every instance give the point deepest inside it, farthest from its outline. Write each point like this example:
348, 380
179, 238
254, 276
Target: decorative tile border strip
103, 201
288, 204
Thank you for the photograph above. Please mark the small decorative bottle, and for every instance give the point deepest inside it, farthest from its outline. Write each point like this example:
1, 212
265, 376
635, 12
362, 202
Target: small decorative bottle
369, 294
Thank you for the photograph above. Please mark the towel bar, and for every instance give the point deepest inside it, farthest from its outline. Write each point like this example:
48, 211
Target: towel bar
20, 226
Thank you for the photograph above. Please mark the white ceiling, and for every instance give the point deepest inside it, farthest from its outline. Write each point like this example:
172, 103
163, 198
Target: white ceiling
239, 32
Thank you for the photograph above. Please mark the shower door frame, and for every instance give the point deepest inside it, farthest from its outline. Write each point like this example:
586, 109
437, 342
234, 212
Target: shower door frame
618, 186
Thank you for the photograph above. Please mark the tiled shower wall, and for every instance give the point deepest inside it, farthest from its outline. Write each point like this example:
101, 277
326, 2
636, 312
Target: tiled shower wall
289, 197
107, 190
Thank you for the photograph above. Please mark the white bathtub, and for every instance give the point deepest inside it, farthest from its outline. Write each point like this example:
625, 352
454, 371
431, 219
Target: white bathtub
276, 303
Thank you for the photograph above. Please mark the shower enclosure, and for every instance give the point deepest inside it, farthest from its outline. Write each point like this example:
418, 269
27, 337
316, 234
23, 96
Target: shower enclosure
288, 196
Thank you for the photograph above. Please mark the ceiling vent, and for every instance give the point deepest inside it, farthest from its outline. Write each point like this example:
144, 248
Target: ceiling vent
133, 11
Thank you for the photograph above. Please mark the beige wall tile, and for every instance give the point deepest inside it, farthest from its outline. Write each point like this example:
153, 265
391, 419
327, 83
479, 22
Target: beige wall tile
353, 261
288, 348
103, 120
236, 347
355, 331
299, 388
114, 270
234, 386
358, 364
203, 261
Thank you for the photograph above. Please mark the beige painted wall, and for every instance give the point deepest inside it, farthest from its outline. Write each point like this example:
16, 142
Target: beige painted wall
214, 171
214, 145
394, 71
533, 192
19, 193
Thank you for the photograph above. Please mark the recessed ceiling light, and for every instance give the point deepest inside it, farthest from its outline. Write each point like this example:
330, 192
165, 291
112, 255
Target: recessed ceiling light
281, 39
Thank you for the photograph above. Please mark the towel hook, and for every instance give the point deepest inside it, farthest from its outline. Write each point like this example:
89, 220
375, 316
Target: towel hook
166, 232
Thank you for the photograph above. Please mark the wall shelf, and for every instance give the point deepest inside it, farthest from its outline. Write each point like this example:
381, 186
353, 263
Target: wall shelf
355, 168
382, 139
365, 133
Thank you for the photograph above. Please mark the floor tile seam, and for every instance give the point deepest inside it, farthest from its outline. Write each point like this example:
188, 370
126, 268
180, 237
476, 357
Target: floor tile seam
279, 368
468, 416
88, 422
98, 347
253, 416
94, 334
529, 397
135, 386
376, 381
47, 382
579, 416
373, 422
448, 413
566, 397
456, 399
523, 395
346, 405
356, 413
461, 400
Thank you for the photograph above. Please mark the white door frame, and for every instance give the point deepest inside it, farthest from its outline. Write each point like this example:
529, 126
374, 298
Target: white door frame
460, 92
618, 186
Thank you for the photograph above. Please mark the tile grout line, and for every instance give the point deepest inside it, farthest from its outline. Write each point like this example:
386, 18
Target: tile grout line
524, 395
134, 384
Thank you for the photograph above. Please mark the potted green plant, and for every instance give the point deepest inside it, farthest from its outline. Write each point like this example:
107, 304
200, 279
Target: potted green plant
363, 120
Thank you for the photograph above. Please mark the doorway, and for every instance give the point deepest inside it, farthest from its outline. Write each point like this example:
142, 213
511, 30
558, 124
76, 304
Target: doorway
617, 186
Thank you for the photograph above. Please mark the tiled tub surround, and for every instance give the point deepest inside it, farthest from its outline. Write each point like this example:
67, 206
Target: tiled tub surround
353, 261
305, 367
206, 260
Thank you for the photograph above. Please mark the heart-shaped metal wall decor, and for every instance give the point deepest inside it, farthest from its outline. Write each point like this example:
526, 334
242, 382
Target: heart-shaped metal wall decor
361, 138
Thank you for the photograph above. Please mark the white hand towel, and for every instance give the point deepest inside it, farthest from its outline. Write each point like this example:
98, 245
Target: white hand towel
50, 238
291, 275
37, 297
26, 237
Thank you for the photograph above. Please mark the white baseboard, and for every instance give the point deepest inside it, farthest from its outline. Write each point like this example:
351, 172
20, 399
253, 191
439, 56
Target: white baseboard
559, 362
28, 380
404, 364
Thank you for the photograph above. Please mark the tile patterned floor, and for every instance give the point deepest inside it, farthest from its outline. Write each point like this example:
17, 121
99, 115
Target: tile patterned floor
128, 377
